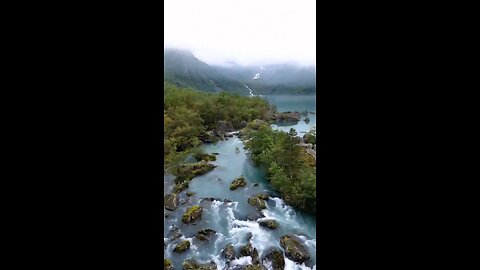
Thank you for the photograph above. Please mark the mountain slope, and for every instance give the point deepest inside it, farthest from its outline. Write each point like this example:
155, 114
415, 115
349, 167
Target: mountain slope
184, 69
283, 79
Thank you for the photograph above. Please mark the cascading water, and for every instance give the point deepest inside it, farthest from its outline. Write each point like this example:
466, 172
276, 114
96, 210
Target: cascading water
230, 219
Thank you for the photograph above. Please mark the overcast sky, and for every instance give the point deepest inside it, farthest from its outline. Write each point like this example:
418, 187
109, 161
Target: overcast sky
244, 31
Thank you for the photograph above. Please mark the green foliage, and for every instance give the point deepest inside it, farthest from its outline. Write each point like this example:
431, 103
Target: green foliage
189, 114
290, 169
310, 137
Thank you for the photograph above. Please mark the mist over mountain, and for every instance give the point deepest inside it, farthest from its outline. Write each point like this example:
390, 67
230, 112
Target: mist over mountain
184, 69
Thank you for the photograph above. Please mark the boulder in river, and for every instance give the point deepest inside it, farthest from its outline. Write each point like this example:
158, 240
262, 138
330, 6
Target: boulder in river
263, 196
204, 156
180, 187
208, 137
192, 264
189, 193
205, 234
255, 216
247, 250
287, 116
167, 264
294, 249
269, 223
257, 266
174, 234
257, 202
192, 214
182, 246
255, 257
275, 256
239, 182
228, 253
307, 120
187, 172
170, 201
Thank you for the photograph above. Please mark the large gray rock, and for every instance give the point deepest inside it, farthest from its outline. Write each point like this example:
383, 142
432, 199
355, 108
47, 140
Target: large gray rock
170, 201
287, 116
167, 264
223, 127
294, 249
239, 182
174, 234
182, 246
205, 234
192, 264
269, 223
258, 201
228, 253
192, 214
275, 256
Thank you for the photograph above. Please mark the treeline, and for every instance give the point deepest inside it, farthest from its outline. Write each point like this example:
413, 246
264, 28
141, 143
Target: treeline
189, 115
290, 169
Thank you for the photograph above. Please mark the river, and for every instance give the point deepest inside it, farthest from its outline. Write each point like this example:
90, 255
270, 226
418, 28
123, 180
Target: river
229, 219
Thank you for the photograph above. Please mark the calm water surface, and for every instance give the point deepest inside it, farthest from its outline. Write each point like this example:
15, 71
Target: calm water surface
295, 103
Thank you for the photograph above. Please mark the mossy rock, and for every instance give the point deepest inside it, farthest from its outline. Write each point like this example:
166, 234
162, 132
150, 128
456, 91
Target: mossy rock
187, 172
263, 196
258, 266
192, 214
167, 264
174, 234
189, 193
181, 247
229, 253
257, 202
208, 137
205, 234
180, 187
204, 156
192, 264
294, 250
269, 223
239, 182
170, 201
255, 257
275, 255
247, 250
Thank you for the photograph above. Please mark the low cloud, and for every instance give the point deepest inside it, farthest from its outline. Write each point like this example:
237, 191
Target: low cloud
246, 32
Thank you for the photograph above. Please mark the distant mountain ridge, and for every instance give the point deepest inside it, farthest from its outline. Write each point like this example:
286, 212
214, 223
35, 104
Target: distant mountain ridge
184, 69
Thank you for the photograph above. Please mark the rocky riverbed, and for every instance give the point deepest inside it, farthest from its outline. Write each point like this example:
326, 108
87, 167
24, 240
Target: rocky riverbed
247, 227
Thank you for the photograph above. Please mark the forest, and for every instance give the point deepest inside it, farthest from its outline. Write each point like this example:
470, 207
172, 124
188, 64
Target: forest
290, 170
189, 115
